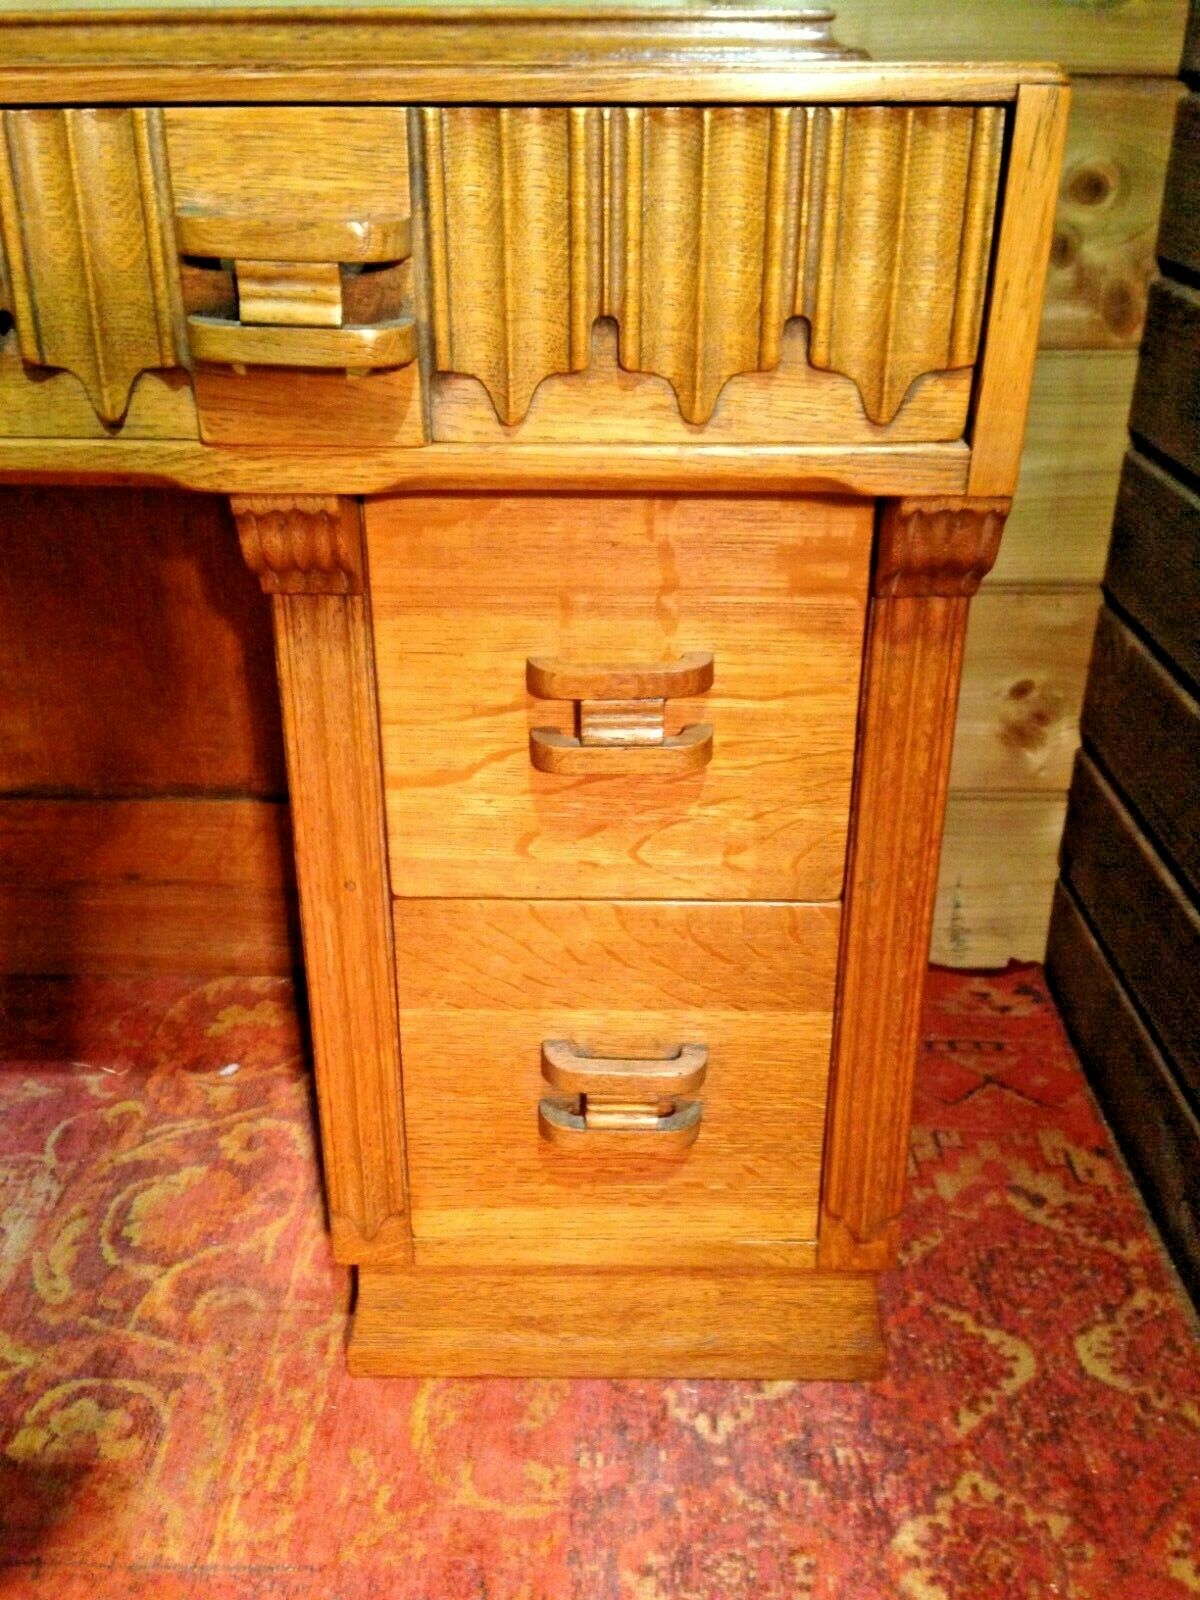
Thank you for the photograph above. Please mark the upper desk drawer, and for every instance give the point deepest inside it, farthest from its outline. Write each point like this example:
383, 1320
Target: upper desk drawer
374, 275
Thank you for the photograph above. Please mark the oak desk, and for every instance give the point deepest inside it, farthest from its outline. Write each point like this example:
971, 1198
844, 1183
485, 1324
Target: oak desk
621, 406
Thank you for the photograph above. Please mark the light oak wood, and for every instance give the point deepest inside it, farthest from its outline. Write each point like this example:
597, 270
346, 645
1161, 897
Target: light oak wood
386, 344
316, 240
874, 470
327, 683
1022, 688
928, 562
1038, 134
484, 983
82, 215
195, 885
484, 1322
996, 878
774, 588
702, 231
792, 401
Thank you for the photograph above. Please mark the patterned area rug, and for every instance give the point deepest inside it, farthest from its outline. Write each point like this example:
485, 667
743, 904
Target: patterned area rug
175, 1420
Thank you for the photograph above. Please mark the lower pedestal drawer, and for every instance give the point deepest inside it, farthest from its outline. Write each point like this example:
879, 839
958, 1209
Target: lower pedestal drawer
497, 995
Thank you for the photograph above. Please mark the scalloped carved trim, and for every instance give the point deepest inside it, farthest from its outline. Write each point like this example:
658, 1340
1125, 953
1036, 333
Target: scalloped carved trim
937, 547
83, 218
301, 544
703, 231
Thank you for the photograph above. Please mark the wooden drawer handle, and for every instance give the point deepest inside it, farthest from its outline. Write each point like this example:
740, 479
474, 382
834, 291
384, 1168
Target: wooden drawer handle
620, 716
605, 1094
257, 238
381, 344
547, 678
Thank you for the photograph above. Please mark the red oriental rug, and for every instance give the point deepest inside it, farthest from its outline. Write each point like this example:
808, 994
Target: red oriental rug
175, 1419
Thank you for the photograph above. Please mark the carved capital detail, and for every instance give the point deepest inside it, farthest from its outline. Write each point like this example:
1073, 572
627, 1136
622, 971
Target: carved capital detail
301, 544
937, 547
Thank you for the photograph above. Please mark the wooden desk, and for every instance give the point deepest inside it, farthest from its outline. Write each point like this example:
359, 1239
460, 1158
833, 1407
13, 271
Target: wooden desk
621, 407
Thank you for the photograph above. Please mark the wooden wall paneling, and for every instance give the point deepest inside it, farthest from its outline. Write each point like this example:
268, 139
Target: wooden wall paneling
1024, 670
1143, 725
196, 885
1062, 509
1114, 169
1153, 570
309, 556
996, 878
930, 557
1166, 397
1131, 36
1143, 919
137, 649
1179, 236
1039, 129
1157, 1130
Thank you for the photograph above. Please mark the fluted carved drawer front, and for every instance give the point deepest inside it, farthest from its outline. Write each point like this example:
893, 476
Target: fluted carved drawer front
618, 696
619, 1084
759, 273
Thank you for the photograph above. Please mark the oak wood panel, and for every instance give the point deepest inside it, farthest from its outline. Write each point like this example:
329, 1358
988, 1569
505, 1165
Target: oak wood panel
482, 985
1179, 236
775, 588
1114, 169
1144, 726
930, 558
793, 401
36, 403
1062, 510
996, 878
1166, 397
1153, 570
146, 886
701, 230
1039, 129
889, 469
137, 650
1144, 920
483, 1322
1024, 671
327, 685
1157, 1130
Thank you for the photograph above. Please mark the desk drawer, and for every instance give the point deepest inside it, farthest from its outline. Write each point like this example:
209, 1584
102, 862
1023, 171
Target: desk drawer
484, 985
481, 800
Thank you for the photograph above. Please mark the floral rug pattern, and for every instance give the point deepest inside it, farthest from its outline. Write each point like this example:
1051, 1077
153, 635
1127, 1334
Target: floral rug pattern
176, 1421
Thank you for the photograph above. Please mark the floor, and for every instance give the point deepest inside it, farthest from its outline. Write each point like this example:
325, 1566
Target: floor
175, 1420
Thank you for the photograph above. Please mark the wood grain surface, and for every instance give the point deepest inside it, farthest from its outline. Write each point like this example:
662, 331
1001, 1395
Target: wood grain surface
1141, 915
192, 885
1024, 670
137, 649
1158, 1131
482, 985
1143, 724
1153, 570
484, 1321
1179, 236
1166, 398
774, 588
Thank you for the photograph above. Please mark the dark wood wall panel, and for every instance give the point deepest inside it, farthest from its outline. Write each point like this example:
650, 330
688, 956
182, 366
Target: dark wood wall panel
1179, 238
136, 648
1145, 922
1166, 396
1143, 726
1153, 570
1155, 1127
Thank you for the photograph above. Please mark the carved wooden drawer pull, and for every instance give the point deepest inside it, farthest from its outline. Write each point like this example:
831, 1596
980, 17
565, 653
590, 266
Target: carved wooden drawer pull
289, 287
620, 717
612, 1095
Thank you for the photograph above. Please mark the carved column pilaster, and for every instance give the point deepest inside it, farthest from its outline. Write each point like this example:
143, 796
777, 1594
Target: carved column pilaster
308, 553
930, 558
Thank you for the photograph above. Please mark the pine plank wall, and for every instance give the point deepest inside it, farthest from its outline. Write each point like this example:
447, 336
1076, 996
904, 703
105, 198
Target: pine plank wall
143, 823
